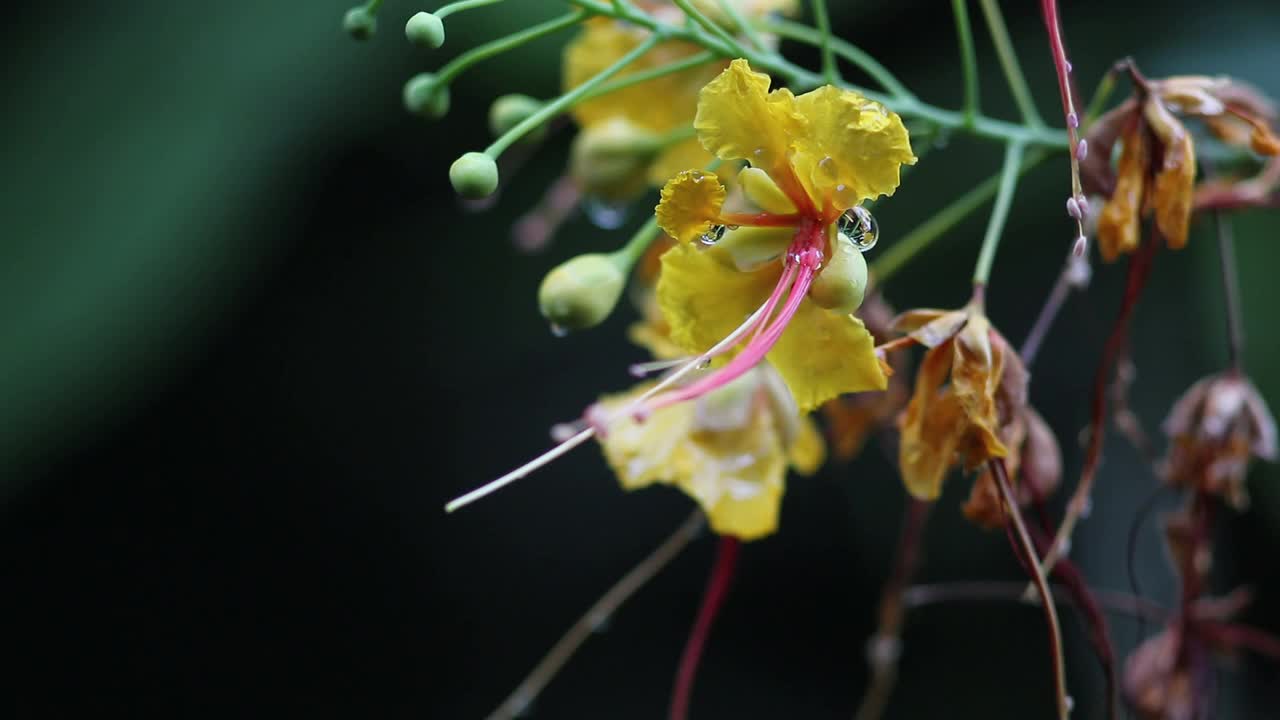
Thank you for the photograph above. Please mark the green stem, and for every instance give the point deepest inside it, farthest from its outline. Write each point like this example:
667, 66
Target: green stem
999, 213
859, 57
829, 70
461, 5
628, 255
907, 107
968, 60
710, 26
503, 44
1009, 63
692, 61
1099, 99
744, 27
904, 250
372, 6
567, 100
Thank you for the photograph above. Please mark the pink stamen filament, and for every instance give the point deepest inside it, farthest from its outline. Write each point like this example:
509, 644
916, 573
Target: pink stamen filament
755, 351
788, 277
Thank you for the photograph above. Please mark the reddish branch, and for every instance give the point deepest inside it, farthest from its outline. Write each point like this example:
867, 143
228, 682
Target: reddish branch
712, 599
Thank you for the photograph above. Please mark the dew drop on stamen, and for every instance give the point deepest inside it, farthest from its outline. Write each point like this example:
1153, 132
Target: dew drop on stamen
604, 214
860, 226
712, 235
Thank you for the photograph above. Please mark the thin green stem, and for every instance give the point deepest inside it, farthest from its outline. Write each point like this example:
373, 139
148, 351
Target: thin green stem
710, 26
671, 68
461, 5
859, 57
904, 250
823, 21
999, 212
1099, 99
490, 49
628, 255
744, 27
907, 107
372, 6
968, 61
1009, 63
567, 100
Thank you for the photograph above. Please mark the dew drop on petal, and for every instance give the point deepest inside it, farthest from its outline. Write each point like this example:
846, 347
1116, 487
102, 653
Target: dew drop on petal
712, 235
604, 214
860, 226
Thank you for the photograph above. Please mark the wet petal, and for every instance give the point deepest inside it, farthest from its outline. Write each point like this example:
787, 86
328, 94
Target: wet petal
737, 478
703, 301
853, 149
739, 118
690, 204
823, 354
649, 452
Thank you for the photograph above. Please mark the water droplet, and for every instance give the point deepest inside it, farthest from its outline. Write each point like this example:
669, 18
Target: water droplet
713, 235
1070, 702
604, 214
828, 170
860, 226
559, 330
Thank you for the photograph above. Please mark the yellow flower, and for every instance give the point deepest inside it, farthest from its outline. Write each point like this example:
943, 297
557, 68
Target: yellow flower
729, 450
812, 158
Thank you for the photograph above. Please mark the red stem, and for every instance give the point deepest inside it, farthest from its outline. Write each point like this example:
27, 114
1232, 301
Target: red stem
712, 599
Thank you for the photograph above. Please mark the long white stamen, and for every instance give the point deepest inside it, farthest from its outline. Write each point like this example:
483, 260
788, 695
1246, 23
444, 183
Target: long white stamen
641, 369
521, 471
631, 408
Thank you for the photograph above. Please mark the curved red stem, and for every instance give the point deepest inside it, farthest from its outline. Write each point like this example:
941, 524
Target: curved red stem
712, 599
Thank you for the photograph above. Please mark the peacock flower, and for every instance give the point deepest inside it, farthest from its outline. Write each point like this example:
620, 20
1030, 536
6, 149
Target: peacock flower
969, 406
1218, 425
1156, 172
787, 263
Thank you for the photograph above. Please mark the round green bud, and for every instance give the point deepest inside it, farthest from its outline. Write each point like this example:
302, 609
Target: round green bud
842, 282
425, 30
610, 159
474, 175
359, 23
510, 110
425, 97
581, 292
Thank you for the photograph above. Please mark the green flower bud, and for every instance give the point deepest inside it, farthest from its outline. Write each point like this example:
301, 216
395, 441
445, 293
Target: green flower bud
610, 159
511, 110
425, 30
360, 23
581, 292
474, 175
426, 97
842, 282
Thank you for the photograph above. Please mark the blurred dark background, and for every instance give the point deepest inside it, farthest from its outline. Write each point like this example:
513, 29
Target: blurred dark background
251, 344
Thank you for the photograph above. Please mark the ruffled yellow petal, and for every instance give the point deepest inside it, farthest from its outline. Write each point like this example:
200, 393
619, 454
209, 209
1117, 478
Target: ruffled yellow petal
853, 148
645, 453
737, 477
820, 355
690, 204
660, 104
739, 118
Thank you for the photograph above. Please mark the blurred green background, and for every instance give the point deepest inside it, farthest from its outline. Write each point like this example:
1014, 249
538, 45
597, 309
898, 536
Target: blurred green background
252, 343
